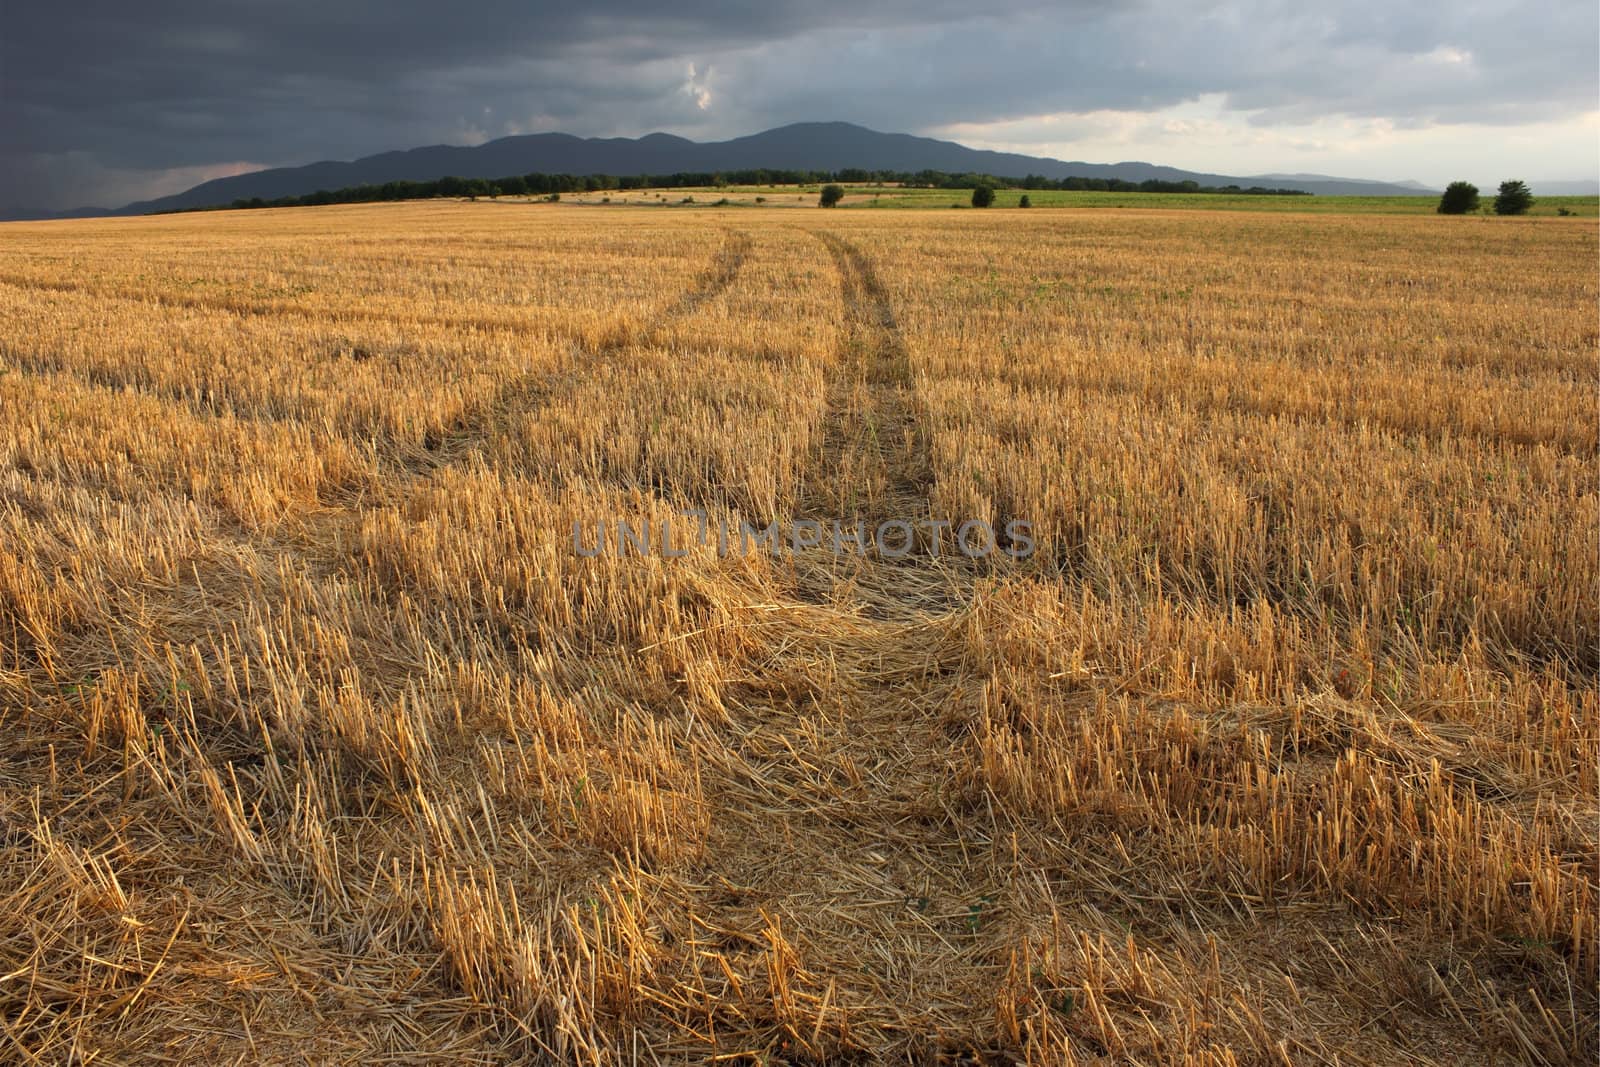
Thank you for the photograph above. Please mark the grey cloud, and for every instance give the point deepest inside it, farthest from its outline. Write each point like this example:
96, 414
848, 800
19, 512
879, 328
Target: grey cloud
101, 96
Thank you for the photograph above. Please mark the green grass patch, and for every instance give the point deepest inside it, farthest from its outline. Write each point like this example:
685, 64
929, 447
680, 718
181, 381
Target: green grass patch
889, 197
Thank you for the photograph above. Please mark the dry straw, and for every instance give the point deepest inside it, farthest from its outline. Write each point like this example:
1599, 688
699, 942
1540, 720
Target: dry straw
322, 744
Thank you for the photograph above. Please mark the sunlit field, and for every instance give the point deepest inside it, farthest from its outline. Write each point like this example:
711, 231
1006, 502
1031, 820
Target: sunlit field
323, 737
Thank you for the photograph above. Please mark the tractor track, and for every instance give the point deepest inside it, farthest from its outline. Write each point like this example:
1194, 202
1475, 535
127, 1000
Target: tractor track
874, 463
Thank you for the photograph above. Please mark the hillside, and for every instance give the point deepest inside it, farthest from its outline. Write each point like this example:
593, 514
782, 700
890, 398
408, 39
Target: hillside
802, 146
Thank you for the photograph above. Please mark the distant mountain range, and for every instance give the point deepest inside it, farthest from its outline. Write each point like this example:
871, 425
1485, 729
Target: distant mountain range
803, 146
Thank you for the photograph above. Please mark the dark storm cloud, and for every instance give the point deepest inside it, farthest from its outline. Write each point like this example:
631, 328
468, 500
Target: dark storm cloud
104, 101
231, 72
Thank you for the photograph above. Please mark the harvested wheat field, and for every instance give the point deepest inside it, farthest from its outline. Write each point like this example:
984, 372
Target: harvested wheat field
333, 735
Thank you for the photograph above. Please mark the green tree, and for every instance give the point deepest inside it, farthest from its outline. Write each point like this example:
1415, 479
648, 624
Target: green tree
1459, 198
983, 196
1024, 202
831, 195
1514, 199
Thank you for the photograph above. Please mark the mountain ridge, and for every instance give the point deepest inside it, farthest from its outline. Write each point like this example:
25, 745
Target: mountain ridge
816, 146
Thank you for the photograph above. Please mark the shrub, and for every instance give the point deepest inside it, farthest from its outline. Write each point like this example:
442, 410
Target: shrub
1514, 199
1024, 202
831, 195
983, 196
1459, 198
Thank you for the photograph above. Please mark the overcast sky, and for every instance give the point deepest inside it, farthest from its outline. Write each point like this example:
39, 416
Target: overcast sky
105, 102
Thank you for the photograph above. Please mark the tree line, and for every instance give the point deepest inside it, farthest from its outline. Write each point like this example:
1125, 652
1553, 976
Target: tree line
1461, 198
557, 184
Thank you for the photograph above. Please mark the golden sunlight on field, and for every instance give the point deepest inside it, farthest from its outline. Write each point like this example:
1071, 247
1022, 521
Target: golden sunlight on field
331, 733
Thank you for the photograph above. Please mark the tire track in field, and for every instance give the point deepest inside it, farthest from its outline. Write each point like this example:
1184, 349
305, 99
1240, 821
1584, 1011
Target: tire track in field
888, 631
517, 397
513, 401
870, 427
470, 426
472, 430
874, 464
315, 539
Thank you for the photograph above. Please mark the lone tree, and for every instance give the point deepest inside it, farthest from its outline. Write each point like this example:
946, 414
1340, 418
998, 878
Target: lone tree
1024, 202
831, 195
1459, 198
983, 196
1514, 199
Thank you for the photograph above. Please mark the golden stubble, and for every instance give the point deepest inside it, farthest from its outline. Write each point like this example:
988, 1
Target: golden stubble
321, 741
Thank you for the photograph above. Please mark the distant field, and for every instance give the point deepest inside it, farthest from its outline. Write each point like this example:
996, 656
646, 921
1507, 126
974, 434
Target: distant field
323, 740
1362, 205
865, 196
